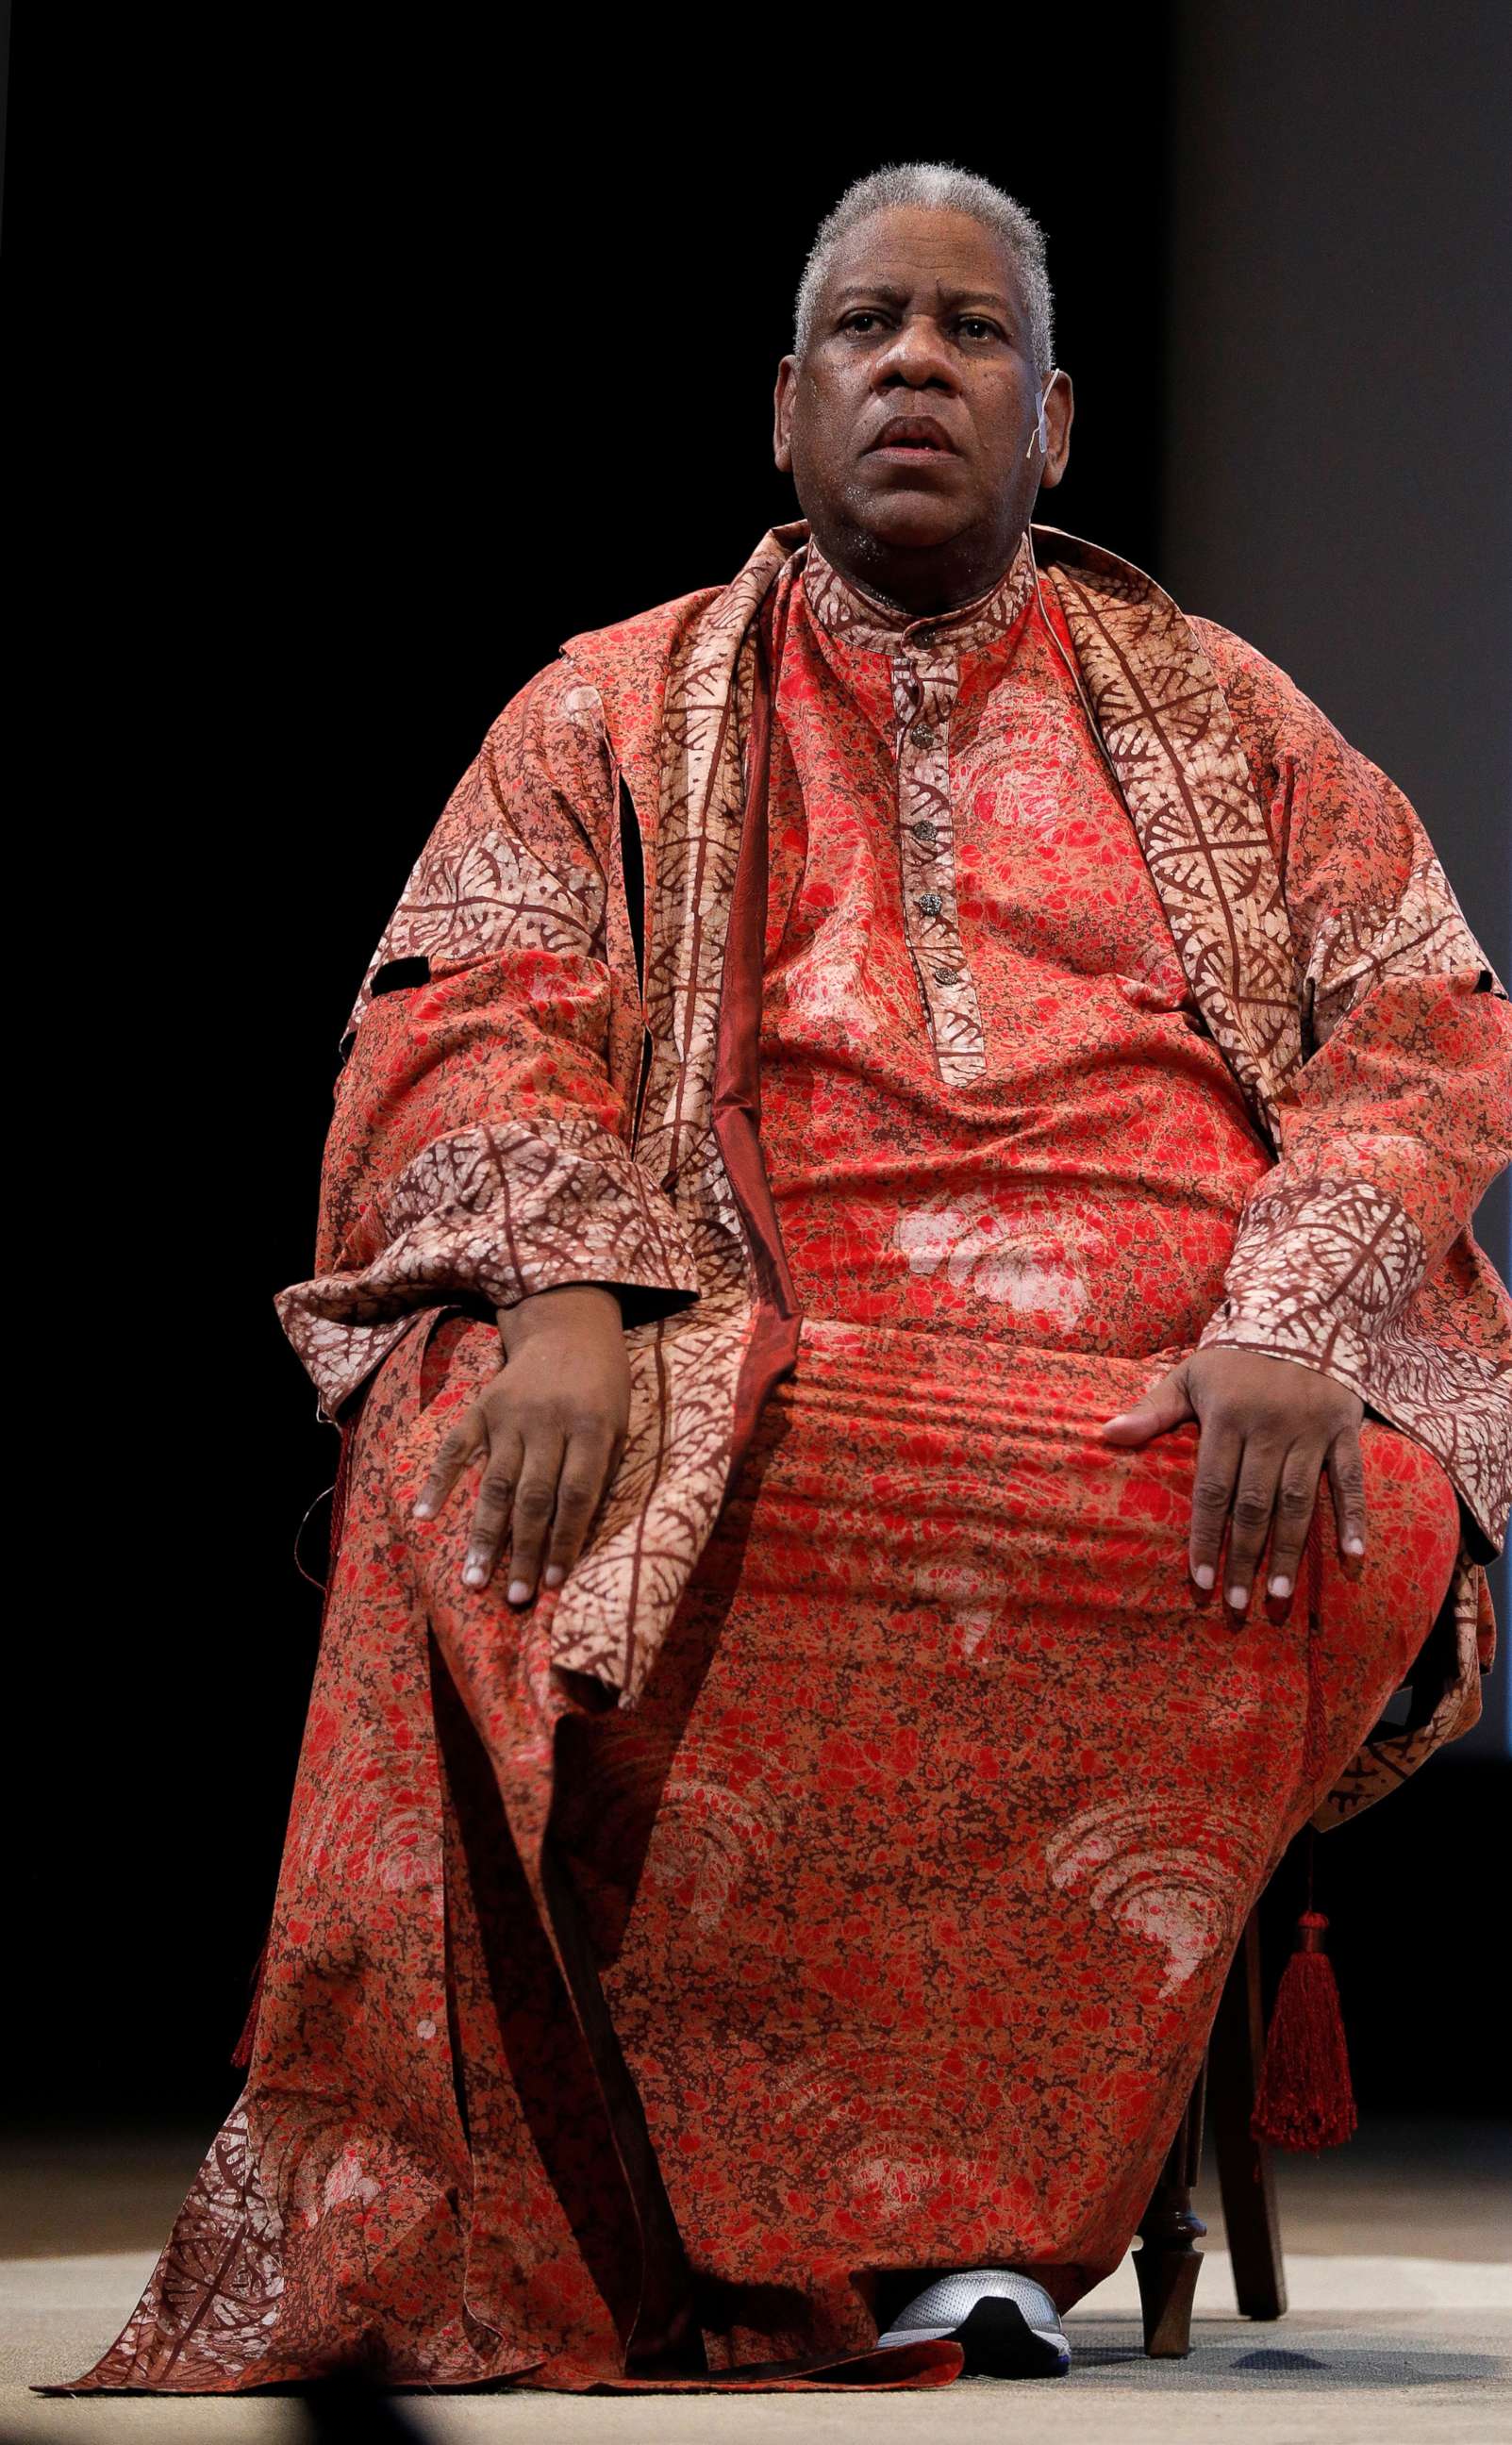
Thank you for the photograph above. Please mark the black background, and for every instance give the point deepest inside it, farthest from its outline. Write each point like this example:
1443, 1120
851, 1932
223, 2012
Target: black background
363, 376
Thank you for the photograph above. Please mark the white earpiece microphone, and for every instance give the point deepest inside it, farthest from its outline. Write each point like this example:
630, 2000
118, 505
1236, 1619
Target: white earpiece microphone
1042, 435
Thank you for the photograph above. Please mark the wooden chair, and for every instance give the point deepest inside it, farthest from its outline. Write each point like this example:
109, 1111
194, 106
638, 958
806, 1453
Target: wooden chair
1168, 2263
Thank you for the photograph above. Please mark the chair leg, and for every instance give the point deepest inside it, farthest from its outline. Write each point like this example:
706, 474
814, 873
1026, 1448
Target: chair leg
1166, 2263
1244, 2179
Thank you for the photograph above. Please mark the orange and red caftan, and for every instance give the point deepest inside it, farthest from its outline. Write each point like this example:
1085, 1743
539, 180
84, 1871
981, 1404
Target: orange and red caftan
934, 1027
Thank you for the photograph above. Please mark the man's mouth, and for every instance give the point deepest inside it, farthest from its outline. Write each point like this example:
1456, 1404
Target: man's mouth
918, 435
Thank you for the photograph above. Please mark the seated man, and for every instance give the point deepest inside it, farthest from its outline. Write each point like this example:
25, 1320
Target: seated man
961, 1098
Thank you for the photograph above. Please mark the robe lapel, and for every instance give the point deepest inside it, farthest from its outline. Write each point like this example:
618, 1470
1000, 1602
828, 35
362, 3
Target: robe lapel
1178, 760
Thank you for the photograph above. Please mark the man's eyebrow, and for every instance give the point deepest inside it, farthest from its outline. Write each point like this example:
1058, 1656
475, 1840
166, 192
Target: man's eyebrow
893, 296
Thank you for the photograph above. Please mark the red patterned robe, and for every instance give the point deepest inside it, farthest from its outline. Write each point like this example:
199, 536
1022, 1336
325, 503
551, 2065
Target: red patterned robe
933, 1027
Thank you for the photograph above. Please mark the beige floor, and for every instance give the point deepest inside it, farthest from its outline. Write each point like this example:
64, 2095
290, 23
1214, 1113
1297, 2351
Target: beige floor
1399, 2268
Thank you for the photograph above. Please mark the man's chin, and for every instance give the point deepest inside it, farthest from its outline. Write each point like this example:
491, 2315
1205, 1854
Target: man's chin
906, 521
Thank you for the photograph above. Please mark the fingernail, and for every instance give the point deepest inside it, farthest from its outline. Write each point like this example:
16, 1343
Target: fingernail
1237, 1598
1353, 1544
423, 1511
554, 1574
1203, 1575
474, 1573
520, 1589
1280, 1586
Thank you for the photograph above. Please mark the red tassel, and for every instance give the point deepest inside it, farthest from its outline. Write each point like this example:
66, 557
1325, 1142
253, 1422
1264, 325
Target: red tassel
1305, 2098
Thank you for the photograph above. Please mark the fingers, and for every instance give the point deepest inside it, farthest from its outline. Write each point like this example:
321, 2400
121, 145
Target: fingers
1257, 1491
1346, 1477
1254, 1503
591, 1455
498, 1499
534, 1503
467, 1442
1219, 1451
1268, 1426
1296, 1498
540, 1492
1167, 1403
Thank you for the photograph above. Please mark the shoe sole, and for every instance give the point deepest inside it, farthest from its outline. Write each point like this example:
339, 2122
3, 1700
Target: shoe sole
998, 2340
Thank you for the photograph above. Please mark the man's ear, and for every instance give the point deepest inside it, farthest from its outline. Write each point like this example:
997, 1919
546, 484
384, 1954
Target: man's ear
1061, 408
782, 414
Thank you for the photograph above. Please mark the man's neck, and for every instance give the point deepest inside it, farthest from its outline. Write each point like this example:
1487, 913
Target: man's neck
869, 625
919, 584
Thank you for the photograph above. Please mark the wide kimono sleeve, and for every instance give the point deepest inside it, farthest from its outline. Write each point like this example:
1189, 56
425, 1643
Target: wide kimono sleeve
479, 1149
1399, 1115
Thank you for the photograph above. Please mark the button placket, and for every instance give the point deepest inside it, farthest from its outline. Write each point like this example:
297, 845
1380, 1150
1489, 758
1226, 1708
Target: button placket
925, 681
924, 662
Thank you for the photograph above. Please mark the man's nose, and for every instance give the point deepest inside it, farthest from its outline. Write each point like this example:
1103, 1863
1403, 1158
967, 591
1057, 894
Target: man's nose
917, 356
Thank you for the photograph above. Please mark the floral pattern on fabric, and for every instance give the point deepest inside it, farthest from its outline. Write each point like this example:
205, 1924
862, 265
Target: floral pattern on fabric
908, 1190
1250, 812
923, 666
881, 1923
913, 1878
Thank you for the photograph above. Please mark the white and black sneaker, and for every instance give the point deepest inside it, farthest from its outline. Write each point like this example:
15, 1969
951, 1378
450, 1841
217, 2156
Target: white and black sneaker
1006, 2324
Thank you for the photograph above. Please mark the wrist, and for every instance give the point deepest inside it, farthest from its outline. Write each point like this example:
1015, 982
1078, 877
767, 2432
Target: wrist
565, 1306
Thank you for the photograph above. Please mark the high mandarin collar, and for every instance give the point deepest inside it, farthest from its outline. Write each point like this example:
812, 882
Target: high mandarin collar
867, 626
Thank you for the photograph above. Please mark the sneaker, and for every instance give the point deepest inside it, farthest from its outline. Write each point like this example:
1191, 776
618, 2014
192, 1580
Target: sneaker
1006, 2324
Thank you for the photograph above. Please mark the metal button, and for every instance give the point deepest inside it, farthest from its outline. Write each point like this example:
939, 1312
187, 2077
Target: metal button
931, 902
923, 735
946, 977
924, 832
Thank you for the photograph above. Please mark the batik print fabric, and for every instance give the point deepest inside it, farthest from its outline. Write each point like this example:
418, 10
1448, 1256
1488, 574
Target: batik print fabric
596, 2043
953, 1801
952, 1794
1307, 910
1074, 1176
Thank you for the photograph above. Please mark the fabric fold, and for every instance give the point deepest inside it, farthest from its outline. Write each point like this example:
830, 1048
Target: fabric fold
495, 1214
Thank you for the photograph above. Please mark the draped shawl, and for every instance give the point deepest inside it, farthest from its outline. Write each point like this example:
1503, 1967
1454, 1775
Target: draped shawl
534, 1091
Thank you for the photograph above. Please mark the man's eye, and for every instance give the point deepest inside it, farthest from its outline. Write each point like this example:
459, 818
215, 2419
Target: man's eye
973, 323
862, 314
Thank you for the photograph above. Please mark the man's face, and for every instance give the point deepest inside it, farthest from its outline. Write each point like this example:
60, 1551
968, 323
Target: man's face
906, 426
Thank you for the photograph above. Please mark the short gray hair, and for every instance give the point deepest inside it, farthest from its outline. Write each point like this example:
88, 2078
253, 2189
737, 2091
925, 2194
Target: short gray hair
934, 186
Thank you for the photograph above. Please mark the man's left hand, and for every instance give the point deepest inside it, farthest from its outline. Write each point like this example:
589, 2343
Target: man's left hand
1268, 1427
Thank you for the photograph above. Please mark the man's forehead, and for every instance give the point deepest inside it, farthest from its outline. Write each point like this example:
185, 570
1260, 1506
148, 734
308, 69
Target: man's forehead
895, 255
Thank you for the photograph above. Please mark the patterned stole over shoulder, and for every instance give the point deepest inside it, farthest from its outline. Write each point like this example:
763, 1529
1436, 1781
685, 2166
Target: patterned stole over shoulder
1435, 1363
678, 726
1171, 738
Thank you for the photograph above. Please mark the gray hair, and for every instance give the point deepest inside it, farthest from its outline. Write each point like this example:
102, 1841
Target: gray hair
934, 186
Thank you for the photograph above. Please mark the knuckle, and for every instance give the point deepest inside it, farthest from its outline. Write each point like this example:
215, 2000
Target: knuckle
1295, 1502
1252, 1510
1210, 1498
533, 1503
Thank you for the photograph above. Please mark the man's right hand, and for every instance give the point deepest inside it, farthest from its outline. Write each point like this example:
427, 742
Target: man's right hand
549, 1428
